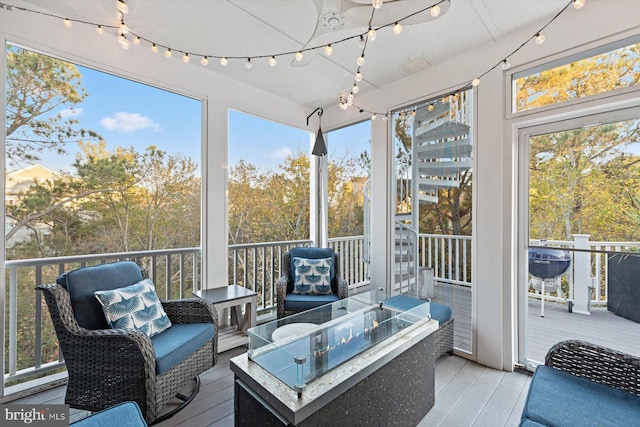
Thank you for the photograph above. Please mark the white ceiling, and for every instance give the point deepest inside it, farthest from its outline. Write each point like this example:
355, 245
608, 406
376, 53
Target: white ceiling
250, 28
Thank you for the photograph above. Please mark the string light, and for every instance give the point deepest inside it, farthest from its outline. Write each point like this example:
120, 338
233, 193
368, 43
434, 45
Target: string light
355, 88
373, 116
328, 50
248, 64
185, 58
377, 4
435, 10
122, 7
371, 34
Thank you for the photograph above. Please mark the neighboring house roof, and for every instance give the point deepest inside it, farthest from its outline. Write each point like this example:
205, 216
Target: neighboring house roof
20, 179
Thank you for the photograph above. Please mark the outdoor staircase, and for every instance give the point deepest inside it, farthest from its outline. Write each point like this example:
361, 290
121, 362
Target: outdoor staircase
441, 150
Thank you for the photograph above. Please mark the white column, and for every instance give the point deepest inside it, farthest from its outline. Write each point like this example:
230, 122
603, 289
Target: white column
581, 274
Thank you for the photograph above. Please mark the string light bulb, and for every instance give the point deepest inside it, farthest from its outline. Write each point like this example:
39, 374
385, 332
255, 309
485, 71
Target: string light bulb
204, 61
328, 50
540, 38
361, 42
577, 4
343, 105
397, 28
299, 56
371, 34
355, 88
373, 116
272, 61
122, 7
505, 64
358, 76
377, 4
384, 118
435, 11
475, 82
99, 29
67, 23
136, 41
360, 60
224, 61
154, 48
248, 64
123, 28
430, 107
124, 42
185, 58
167, 53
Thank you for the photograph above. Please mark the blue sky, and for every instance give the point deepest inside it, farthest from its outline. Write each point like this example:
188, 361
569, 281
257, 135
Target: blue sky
130, 114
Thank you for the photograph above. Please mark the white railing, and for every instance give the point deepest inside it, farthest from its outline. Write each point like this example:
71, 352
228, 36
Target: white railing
449, 256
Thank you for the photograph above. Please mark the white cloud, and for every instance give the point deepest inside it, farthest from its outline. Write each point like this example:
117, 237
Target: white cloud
128, 122
281, 153
70, 112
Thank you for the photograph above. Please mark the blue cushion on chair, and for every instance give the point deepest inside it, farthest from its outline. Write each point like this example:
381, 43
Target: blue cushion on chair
179, 342
83, 282
125, 414
560, 399
302, 302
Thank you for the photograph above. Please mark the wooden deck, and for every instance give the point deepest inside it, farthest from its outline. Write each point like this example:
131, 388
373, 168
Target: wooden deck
600, 327
467, 394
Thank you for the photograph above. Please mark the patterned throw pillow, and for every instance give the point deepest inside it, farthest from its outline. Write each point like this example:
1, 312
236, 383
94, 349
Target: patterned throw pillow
134, 307
312, 276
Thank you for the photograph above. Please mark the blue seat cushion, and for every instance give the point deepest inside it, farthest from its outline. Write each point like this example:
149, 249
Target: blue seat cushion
125, 414
84, 282
557, 398
302, 302
439, 312
179, 342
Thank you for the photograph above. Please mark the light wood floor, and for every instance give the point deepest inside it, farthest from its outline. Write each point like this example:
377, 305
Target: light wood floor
467, 394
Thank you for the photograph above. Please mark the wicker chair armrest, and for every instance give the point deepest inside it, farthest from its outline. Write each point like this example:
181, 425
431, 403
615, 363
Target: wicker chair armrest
597, 363
191, 310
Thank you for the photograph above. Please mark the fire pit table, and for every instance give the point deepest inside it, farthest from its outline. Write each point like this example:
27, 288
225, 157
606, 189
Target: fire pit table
354, 361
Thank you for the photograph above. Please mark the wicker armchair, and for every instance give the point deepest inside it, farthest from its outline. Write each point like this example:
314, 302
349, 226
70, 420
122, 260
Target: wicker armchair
110, 366
289, 303
596, 363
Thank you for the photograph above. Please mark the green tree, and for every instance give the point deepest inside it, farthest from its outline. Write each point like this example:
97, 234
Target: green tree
38, 88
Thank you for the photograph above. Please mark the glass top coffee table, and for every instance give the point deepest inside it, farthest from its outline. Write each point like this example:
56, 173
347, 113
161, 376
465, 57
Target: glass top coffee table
303, 347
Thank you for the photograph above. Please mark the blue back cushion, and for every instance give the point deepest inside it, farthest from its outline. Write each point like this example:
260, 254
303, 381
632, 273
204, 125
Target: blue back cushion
83, 282
312, 253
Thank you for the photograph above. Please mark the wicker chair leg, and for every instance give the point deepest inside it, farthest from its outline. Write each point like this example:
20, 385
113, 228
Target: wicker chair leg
185, 401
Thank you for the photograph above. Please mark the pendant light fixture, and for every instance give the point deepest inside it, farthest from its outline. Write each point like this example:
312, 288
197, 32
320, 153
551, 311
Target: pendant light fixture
319, 148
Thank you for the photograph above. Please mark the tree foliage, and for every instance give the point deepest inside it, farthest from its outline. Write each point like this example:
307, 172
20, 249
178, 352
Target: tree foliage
39, 87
